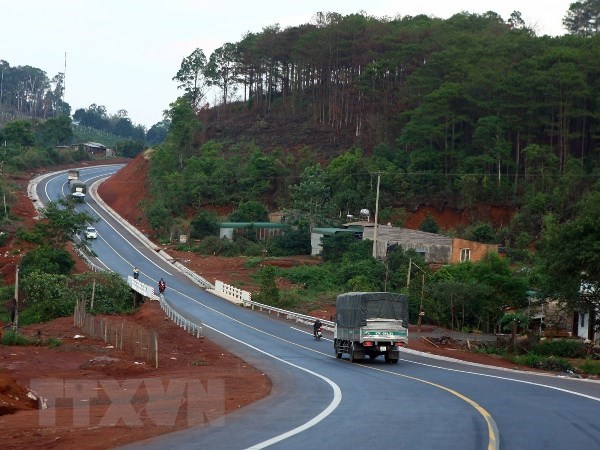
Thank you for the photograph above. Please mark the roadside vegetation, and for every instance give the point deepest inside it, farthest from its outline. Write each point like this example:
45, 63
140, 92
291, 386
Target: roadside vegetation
561, 355
48, 290
458, 113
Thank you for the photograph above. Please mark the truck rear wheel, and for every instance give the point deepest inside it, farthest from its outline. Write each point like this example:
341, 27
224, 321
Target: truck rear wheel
336, 347
389, 360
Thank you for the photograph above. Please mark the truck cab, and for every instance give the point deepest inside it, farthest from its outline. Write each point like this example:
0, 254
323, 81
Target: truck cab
72, 174
78, 190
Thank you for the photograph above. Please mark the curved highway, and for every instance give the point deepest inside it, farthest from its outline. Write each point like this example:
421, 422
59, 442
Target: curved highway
320, 401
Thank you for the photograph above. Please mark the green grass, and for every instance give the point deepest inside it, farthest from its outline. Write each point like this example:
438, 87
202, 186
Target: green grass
542, 362
589, 366
53, 342
15, 338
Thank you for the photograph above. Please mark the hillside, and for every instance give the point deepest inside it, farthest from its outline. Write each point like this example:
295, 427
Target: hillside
127, 191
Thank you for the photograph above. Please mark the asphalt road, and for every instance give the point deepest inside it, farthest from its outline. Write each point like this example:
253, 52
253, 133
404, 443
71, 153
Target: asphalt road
320, 401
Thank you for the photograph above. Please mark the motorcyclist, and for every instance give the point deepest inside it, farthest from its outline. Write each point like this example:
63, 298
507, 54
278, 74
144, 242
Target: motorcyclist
136, 273
316, 326
162, 286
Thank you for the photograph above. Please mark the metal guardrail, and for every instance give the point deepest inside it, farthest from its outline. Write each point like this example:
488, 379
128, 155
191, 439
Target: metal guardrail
87, 260
193, 275
148, 292
189, 326
290, 315
245, 298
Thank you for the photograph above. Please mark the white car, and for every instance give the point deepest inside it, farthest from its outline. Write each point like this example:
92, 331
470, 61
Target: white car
91, 233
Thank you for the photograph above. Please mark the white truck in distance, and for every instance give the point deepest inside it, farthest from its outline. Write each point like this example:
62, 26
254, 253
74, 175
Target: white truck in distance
73, 174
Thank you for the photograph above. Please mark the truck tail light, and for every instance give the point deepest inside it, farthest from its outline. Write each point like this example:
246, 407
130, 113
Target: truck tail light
399, 344
368, 344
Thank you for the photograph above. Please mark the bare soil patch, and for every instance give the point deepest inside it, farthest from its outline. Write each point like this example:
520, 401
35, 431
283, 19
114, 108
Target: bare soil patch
225, 383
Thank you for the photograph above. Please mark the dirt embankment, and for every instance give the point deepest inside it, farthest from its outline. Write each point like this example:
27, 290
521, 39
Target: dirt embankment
89, 379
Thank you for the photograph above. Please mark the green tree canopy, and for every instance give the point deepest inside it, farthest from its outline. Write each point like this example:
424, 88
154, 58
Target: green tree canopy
19, 132
312, 195
583, 18
190, 77
570, 255
250, 211
57, 131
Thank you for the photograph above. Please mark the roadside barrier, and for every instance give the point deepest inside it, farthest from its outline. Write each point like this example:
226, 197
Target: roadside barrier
125, 335
148, 292
87, 260
237, 295
245, 299
191, 327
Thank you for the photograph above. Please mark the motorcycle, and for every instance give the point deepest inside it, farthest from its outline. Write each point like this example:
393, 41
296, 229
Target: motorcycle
318, 334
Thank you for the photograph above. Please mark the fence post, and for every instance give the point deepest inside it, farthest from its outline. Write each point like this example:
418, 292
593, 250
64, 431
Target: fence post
156, 349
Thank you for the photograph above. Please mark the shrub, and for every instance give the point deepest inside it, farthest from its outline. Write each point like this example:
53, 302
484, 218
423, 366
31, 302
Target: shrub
291, 242
250, 211
482, 232
213, 245
111, 294
590, 366
313, 278
53, 342
543, 363
47, 260
252, 263
335, 246
429, 224
44, 311
269, 293
204, 224
14, 338
565, 348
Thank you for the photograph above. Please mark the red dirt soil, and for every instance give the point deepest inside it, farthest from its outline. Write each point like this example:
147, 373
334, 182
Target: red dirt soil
182, 357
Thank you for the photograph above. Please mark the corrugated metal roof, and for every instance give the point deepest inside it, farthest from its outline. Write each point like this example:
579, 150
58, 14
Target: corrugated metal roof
331, 231
95, 145
251, 225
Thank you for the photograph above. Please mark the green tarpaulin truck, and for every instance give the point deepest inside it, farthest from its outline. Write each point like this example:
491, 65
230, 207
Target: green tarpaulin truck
371, 324
78, 190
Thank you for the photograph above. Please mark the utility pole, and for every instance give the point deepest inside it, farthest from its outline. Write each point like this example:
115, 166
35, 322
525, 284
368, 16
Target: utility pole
2, 179
93, 293
64, 81
421, 312
16, 324
376, 217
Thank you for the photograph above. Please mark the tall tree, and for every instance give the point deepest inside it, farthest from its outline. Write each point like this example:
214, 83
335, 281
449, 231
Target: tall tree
583, 18
312, 195
190, 77
570, 258
57, 130
220, 70
183, 129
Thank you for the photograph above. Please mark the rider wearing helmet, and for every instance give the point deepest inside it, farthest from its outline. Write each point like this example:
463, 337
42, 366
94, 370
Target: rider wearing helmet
316, 326
162, 286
